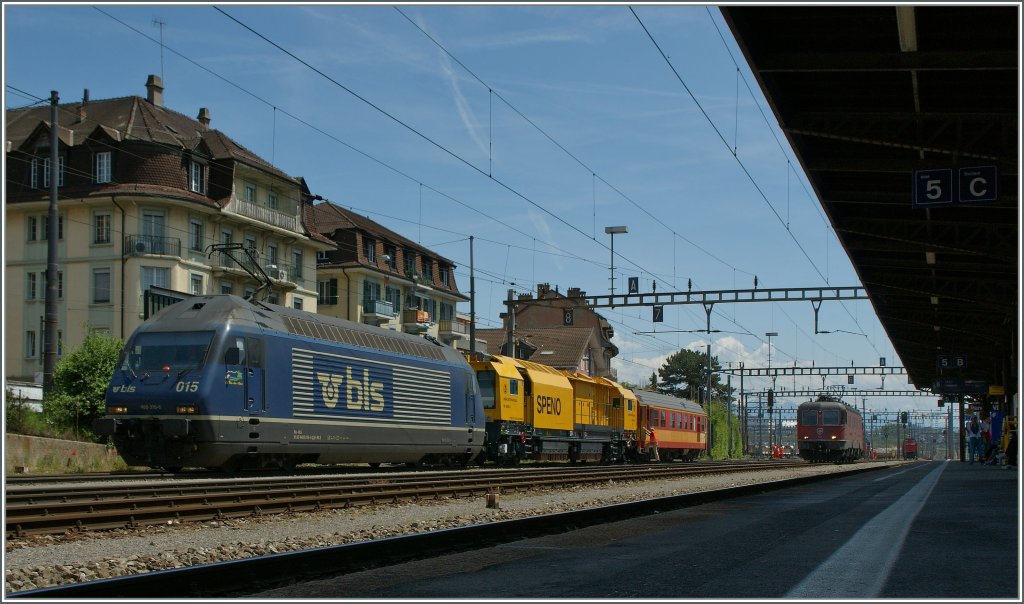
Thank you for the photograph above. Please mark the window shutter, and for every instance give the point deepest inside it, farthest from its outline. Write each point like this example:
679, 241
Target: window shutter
333, 292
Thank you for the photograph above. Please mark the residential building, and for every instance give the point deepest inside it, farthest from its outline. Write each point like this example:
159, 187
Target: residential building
143, 191
379, 277
538, 321
568, 348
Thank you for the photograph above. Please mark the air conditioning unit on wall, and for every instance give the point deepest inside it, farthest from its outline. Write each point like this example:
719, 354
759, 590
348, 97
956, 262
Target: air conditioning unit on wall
142, 247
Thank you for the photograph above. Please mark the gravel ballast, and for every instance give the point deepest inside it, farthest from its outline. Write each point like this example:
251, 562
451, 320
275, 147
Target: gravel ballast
45, 561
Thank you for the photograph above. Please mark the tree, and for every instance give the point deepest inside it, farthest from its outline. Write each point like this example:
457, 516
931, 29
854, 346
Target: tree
653, 383
80, 382
684, 374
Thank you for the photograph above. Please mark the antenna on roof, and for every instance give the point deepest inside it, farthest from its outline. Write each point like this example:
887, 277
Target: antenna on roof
161, 24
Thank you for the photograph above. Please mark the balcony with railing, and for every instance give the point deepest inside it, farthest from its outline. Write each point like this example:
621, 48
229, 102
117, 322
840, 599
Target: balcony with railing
377, 312
151, 245
282, 272
450, 330
263, 214
415, 320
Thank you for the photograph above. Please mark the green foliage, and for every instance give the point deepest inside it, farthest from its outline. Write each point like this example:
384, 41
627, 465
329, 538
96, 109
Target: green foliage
684, 374
80, 382
720, 433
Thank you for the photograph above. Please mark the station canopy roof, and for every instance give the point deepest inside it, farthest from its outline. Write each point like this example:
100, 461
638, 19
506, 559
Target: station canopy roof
877, 99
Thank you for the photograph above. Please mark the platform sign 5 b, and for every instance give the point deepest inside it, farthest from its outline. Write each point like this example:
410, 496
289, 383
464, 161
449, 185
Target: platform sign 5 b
944, 187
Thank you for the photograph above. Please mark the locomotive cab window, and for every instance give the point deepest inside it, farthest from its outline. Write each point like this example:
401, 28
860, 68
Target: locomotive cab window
156, 351
513, 387
485, 379
832, 417
244, 351
809, 417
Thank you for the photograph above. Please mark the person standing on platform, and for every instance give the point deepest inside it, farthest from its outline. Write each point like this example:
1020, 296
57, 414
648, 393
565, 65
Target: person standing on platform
974, 437
995, 443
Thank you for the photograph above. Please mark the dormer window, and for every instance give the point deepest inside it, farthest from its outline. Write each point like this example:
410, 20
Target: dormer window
370, 249
428, 270
445, 279
197, 177
102, 167
41, 172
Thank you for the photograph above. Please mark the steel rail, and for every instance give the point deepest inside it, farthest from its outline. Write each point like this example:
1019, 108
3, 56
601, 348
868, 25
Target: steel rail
239, 578
49, 512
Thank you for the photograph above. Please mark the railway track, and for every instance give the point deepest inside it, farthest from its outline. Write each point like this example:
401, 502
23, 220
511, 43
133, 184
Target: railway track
248, 576
63, 507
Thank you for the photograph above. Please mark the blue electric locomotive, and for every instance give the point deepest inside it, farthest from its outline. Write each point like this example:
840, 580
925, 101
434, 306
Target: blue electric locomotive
221, 382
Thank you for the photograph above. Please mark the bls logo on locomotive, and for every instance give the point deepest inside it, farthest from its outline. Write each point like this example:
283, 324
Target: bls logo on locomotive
357, 393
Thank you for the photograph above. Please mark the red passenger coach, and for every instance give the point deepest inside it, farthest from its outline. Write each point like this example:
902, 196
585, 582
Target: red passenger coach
679, 425
829, 430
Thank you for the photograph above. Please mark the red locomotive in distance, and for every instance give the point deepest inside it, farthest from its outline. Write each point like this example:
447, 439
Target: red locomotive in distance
829, 430
909, 448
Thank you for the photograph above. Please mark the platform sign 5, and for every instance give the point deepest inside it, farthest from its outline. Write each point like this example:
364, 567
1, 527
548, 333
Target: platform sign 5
950, 361
977, 184
944, 187
933, 188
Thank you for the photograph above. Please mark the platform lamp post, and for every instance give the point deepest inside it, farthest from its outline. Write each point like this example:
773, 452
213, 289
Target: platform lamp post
771, 436
613, 231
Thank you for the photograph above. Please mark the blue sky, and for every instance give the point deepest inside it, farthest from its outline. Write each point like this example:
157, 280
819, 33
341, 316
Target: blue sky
532, 129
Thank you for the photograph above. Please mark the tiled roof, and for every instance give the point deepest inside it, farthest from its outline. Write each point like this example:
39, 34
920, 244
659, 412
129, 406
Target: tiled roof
328, 217
131, 118
560, 347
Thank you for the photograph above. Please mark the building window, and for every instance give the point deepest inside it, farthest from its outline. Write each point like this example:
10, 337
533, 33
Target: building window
370, 249
34, 179
60, 285
445, 279
101, 286
197, 177
394, 296
155, 276
226, 287
392, 257
297, 263
225, 239
102, 168
428, 270
44, 165
250, 192
44, 231
371, 293
272, 298
101, 229
30, 286
272, 199
297, 302
272, 255
410, 262
60, 342
30, 344
447, 312
195, 234
31, 223
327, 292
196, 284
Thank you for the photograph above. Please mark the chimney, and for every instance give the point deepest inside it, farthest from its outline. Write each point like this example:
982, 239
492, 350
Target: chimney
573, 292
204, 117
155, 90
81, 108
543, 289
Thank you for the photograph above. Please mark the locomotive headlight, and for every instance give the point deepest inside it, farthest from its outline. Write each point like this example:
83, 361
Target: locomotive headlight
187, 409
117, 410
833, 437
